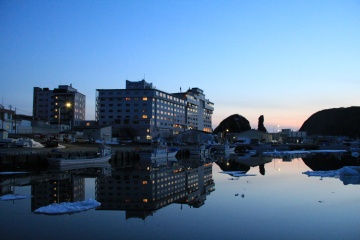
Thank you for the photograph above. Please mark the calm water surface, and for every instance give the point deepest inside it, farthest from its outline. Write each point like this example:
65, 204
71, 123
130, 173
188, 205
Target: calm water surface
274, 201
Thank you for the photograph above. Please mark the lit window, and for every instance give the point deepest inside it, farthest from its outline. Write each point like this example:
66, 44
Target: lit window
144, 182
144, 116
127, 99
144, 98
145, 200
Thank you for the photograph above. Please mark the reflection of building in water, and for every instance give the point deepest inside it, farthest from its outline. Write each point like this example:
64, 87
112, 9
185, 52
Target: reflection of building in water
143, 189
62, 187
8, 184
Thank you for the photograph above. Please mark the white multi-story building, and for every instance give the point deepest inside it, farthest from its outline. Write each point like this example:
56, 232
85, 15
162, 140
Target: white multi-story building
63, 105
144, 112
199, 110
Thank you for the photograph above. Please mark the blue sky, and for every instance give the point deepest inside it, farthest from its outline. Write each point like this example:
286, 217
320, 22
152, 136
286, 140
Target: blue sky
285, 60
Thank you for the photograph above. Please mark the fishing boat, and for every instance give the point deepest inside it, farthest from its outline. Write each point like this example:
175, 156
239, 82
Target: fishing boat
159, 153
104, 155
225, 148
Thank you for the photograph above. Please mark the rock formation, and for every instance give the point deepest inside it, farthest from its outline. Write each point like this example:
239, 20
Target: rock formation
261, 126
234, 124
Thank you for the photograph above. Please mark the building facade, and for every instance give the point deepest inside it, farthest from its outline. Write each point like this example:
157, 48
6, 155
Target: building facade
143, 112
199, 110
7, 120
52, 105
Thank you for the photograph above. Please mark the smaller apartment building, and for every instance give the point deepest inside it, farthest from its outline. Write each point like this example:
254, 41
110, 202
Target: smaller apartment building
50, 105
143, 112
7, 120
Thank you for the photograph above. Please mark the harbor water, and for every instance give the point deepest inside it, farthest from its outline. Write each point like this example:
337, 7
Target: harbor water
241, 197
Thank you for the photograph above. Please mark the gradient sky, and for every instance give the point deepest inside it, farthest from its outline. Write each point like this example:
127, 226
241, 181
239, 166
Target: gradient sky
285, 60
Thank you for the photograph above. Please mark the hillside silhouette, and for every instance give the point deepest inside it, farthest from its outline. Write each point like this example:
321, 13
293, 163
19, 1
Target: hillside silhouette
234, 124
334, 122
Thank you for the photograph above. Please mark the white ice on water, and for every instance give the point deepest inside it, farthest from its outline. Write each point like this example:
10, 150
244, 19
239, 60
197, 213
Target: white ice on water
68, 207
11, 197
345, 171
10, 173
107, 142
275, 152
238, 173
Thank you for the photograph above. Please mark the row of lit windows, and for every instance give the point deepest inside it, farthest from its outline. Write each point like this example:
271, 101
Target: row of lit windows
127, 93
126, 99
121, 92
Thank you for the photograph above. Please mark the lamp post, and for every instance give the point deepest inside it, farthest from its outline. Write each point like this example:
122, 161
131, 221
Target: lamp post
275, 133
66, 105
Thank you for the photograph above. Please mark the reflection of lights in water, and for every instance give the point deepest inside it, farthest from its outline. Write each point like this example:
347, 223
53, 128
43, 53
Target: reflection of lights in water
279, 161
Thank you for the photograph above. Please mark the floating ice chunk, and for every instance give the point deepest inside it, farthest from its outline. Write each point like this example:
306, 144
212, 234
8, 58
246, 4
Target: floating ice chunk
347, 174
355, 154
331, 173
10, 197
107, 142
68, 207
345, 171
350, 171
238, 173
243, 175
232, 172
10, 173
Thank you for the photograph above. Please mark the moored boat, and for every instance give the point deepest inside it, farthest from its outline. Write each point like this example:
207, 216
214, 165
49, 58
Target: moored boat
225, 148
160, 152
104, 155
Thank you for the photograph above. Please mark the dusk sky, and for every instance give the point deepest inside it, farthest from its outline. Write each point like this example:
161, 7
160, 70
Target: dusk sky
285, 60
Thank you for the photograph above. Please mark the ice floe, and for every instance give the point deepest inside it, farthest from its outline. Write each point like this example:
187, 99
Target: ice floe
10, 173
238, 173
347, 174
68, 207
107, 142
11, 197
275, 152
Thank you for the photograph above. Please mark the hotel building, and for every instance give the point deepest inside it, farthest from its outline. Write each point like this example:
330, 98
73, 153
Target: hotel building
52, 105
144, 112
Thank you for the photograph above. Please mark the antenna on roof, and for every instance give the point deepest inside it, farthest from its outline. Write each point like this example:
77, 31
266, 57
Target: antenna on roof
144, 76
180, 89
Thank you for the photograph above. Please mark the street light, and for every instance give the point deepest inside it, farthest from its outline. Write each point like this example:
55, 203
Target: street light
66, 105
275, 134
276, 127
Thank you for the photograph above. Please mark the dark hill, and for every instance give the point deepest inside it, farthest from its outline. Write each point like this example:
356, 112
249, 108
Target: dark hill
234, 123
334, 122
